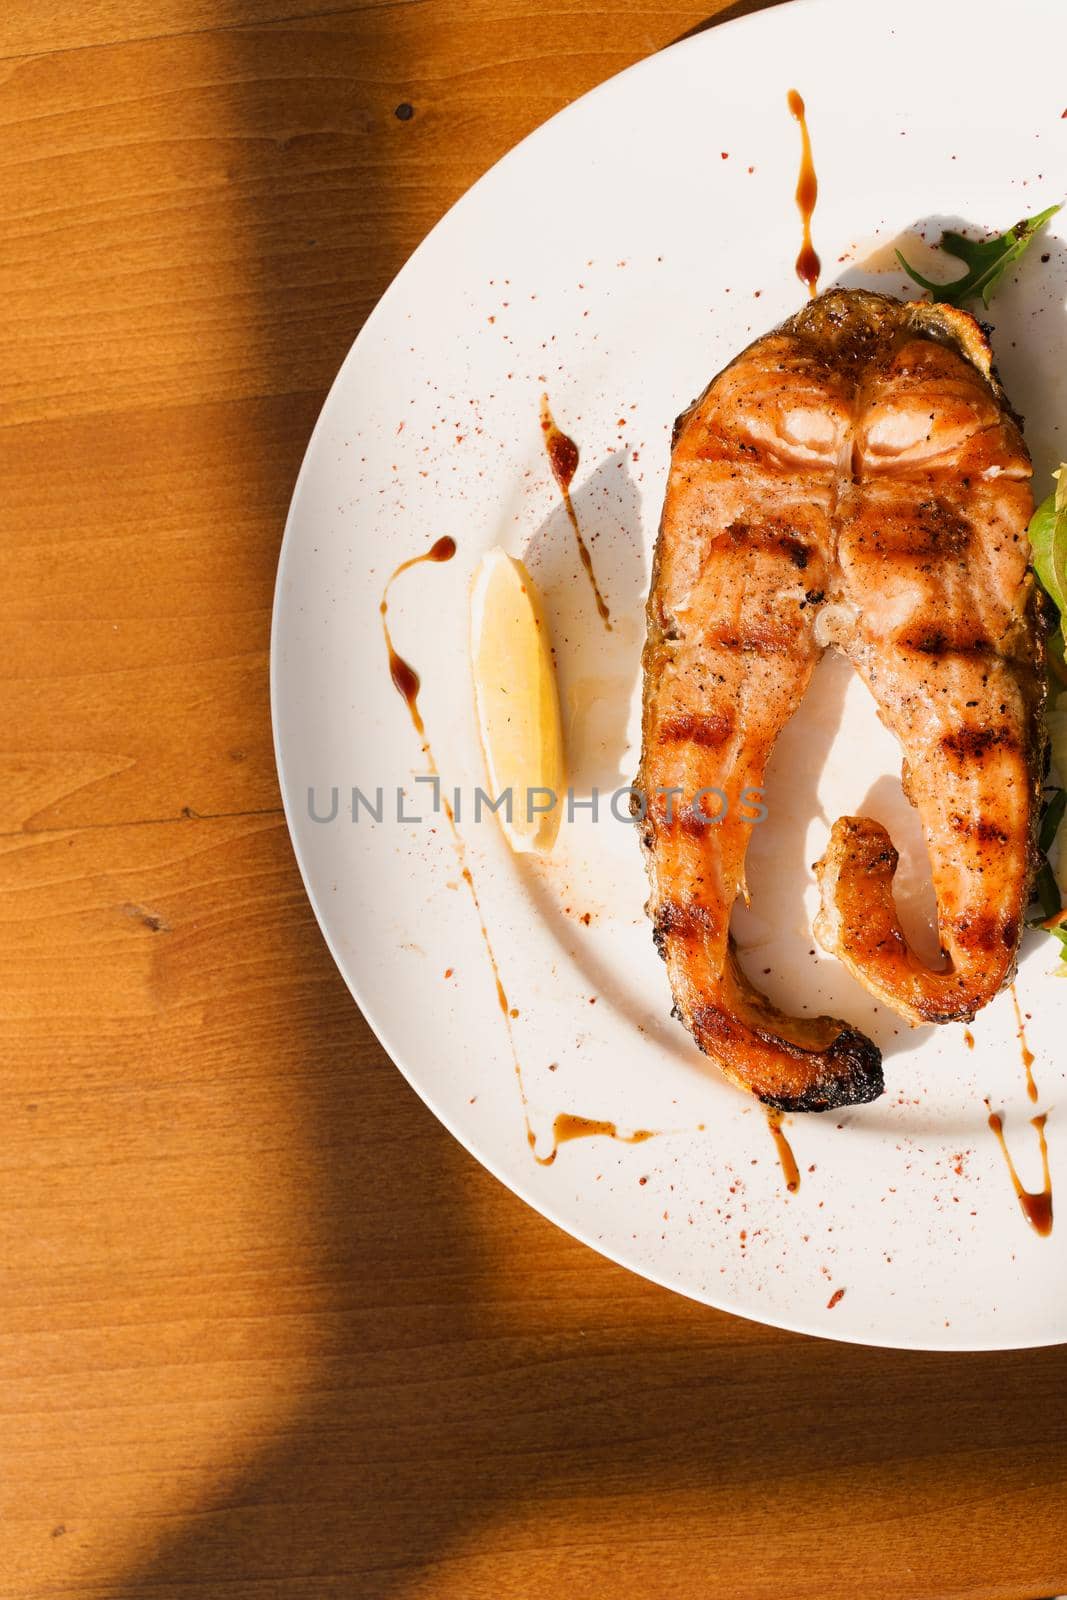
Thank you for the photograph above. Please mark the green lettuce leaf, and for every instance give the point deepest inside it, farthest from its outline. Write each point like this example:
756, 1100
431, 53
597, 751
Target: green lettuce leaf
1048, 536
1051, 818
986, 260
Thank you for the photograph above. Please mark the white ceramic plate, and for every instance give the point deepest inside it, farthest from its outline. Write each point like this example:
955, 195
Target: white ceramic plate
617, 259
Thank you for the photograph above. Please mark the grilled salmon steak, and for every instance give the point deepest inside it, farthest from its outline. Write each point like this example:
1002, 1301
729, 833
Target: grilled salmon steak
854, 479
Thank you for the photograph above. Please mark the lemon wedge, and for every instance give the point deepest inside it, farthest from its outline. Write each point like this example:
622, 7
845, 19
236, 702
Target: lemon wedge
517, 702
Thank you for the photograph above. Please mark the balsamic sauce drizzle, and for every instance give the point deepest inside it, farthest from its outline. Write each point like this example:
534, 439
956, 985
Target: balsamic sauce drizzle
406, 682
1036, 1205
562, 455
405, 678
808, 264
567, 1127
1028, 1057
790, 1170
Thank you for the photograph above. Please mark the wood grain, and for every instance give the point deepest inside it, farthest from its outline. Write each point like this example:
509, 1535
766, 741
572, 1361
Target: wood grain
266, 1332
35, 27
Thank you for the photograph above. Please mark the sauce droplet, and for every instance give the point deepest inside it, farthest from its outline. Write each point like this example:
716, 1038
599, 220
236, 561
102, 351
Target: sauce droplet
790, 1170
1036, 1207
406, 682
562, 455
1028, 1057
835, 1299
968, 1038
567, 1127
808, 264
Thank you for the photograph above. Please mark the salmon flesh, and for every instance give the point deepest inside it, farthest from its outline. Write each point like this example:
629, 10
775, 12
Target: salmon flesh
854, 480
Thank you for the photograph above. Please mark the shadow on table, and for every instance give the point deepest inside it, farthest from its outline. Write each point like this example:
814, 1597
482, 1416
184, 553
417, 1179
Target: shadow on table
740, 8
449, 1391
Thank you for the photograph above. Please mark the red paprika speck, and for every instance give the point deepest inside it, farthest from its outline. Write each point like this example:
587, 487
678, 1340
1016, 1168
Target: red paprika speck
726, 155
835, 1299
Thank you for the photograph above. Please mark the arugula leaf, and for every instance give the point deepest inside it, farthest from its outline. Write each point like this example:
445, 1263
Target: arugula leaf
1046, 891
1051, 817
1047, 895
987, 260
1057, 661
1048, 537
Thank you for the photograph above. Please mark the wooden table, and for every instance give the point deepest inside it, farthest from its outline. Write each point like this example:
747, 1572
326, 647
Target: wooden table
266, 1330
